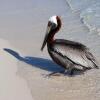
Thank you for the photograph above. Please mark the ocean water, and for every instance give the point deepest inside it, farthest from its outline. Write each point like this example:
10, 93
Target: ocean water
91, 18
89, 13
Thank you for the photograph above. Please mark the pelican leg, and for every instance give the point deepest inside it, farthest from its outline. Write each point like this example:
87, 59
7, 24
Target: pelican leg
69, 71
56, 73
75, 71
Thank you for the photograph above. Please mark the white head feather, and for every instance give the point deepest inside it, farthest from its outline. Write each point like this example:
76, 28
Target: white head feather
53, 19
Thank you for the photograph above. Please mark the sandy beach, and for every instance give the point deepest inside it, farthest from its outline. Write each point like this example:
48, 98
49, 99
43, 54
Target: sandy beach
23, 66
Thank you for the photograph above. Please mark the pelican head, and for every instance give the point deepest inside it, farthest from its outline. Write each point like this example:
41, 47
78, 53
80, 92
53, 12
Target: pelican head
53, 26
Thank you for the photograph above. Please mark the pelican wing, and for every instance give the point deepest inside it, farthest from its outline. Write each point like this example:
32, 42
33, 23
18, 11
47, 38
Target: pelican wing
75, 52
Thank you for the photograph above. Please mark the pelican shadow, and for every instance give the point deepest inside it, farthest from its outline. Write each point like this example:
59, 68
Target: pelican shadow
44, 64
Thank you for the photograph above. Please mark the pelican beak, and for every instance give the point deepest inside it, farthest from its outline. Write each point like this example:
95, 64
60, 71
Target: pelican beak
46, 37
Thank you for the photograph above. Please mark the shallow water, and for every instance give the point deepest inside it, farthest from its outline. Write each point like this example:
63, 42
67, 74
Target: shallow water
23, 24
91, 18
89, 13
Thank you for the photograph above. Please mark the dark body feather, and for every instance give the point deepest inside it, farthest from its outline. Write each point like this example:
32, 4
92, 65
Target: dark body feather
70, 54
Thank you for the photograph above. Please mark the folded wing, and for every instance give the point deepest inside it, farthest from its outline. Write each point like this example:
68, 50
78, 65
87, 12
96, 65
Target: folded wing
75, 52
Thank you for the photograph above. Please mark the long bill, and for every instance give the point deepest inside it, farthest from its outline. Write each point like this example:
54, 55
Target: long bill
46, 37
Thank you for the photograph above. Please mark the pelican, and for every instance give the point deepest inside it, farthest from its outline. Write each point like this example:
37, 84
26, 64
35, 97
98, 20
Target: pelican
68, 54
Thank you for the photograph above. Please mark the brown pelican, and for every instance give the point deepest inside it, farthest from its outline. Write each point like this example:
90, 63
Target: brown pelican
68, 54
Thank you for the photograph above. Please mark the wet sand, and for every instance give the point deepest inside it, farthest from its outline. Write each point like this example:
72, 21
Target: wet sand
12, 86
24, 66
